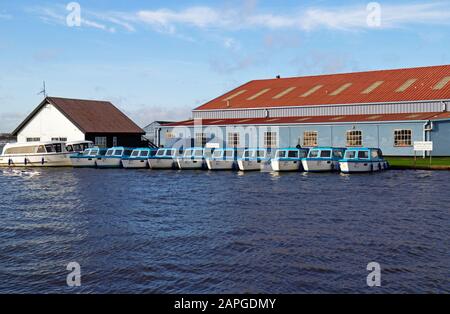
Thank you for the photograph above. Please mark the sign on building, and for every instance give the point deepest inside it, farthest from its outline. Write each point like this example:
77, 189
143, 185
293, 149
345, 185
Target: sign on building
423, 146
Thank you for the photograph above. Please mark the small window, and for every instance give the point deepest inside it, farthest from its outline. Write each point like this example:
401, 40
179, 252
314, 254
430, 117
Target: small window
170, 135
188, 153
314, 153
109, 152
310, 138
217, 153
144, 153
160, 152
354, 138
41, 149
93, 152
375, 154
200, 139
270, 139
281, 154
170, 153
338, 154
293, 154
303, 153
402, 138
33, 139
261, 153
233, 139
229, 154
325, 154
59, 139
363, 154
350, 154
198, 153
69, 148
135, 153
246, 154
118, 152
49, 148
101, 141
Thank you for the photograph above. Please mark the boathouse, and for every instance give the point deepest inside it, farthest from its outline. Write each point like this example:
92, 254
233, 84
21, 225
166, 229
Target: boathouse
75, 120
389, 109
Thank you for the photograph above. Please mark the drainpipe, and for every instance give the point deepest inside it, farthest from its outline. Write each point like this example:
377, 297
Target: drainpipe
427, 127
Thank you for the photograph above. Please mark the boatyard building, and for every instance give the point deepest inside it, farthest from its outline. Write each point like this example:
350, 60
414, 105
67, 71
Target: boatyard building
389, 109
62, 119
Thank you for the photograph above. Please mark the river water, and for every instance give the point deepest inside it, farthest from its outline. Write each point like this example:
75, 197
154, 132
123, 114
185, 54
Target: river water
223, 232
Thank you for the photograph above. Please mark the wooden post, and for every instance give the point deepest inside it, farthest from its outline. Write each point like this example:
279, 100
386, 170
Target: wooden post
415, 159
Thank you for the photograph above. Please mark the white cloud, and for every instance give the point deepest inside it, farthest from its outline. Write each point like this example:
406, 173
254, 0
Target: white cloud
5, 16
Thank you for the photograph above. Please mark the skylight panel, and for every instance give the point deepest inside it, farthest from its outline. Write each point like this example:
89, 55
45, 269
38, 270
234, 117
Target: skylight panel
285, 92
405, 85
442, 83
372, 87
235, 95
259, 94
337, 118
312, 91
341, 89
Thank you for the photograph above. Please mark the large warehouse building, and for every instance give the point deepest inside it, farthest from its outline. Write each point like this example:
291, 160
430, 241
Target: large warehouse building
389, 109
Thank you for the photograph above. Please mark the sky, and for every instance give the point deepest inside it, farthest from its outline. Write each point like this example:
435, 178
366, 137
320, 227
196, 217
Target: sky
158, 60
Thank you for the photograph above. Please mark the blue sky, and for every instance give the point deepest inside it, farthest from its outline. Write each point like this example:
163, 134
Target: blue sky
159, 59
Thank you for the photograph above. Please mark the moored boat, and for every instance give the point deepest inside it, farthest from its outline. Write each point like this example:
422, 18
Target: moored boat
165, 158
113, 157
222, 159
288, 159
87, 158
253, 159
138, 158
361, 160
323, 159
35, 154
192, 158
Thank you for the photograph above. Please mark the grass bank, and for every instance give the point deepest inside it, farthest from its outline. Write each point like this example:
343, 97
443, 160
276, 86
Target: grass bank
437, 163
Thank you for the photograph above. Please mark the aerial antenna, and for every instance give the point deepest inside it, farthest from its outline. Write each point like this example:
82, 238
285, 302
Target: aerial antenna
43, 91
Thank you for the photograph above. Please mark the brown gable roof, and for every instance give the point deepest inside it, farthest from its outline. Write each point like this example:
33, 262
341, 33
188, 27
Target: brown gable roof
90, 116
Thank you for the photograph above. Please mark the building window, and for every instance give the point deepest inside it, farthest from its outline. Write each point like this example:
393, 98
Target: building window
310, 138
33, 139
354, 138
59, 139
270, 139
170, 135
101, 141
233, 139
200, 139
115, 142
402, 138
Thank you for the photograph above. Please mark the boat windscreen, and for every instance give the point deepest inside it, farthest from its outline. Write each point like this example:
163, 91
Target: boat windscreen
198, 153
350, 154
170, 152
229, 154
188, 153
247, 154
314, 153
94, 152
118, 152
338, 154
303, 153
217, 153
161, 152
363, 154
135, 153
325, 154
49, 148
293, 154
144, 153
261, 153
281, 154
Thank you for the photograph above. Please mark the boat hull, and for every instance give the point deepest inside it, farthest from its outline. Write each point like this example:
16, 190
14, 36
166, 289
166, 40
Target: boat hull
190, 164
161, 163
319, 165
134, 163
285, 165
250, 165
362, 167
109, 162
44, 160
78, 162
220, 164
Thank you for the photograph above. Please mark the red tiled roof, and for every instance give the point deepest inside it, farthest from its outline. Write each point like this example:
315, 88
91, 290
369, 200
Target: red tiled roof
350, 88
90, 116
320, 119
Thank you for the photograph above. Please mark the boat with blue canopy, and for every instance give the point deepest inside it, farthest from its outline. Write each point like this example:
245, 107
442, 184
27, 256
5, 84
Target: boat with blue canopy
165, 158
223, 159
87, 158
323, 159
113, 157
288, 159
138, 158
361, 160
192, 159
253, 159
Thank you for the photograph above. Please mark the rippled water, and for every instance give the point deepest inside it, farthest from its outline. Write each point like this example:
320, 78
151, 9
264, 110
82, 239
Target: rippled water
223, 232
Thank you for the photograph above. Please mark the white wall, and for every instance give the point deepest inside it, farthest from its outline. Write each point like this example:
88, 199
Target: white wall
49, 122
